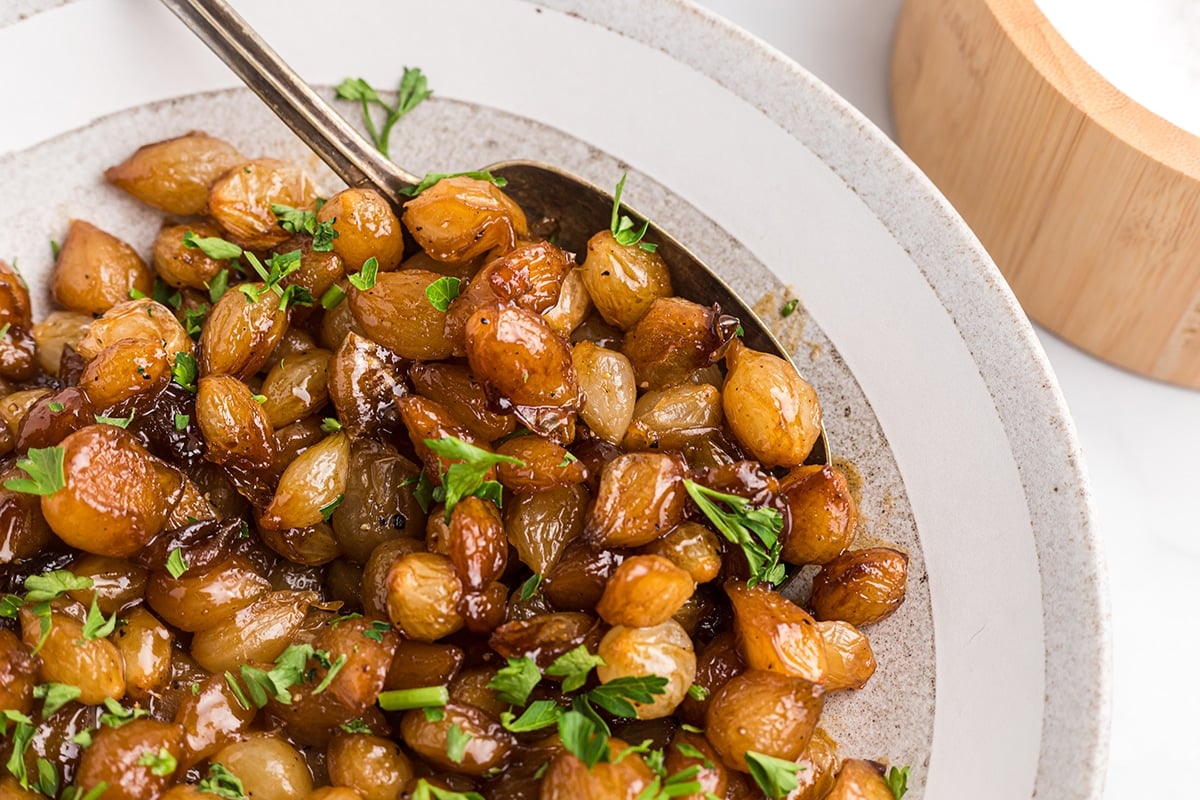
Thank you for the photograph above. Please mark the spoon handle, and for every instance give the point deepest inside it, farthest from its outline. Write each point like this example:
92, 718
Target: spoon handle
347, 153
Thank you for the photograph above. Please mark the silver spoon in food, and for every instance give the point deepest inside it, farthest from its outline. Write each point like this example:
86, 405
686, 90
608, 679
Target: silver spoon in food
576, 208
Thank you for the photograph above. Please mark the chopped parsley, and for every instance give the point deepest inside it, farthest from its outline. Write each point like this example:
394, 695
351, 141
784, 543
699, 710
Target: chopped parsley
116, 422
330, 425
540, 714
327, 511
176, 564
756, 530
365, 278
218, 285
574, 667
622, 227
789, 307
530, 587
222, 783
413, 89
95, 626
212, 246
356, 726
775, 776
116, 715
618, 695
442, 291
181, 421
456, 743
897, 781
466, 477
698, 693
296, 220
55, 696
514, 683
428, 791
185, 371
44, 466
432, 178
162, 763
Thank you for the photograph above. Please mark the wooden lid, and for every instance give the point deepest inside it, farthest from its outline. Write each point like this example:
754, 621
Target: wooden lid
1088, 202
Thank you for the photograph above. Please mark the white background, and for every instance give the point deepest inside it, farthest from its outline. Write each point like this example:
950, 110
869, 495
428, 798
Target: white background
1140, 437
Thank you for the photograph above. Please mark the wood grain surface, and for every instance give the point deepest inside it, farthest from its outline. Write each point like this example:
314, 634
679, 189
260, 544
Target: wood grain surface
1089, 203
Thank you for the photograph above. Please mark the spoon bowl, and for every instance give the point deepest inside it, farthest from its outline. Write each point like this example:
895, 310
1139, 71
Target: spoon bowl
573, 208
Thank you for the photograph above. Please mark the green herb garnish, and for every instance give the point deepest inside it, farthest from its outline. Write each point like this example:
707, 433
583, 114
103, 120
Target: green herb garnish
775, 776
574, 667
432, 178
466, 477
413, 89
756, 530
176, 564
44, 466
442, 291
95, 626
622, 227
161, 763
897, 781
55, 696
185, 371
222, 783
212, 246
364, 279
116, 422
513, 683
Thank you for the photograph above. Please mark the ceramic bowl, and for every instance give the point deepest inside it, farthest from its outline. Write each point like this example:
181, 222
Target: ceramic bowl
993, 676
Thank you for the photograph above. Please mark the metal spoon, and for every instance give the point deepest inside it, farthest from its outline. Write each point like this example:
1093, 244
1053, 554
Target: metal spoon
543, 191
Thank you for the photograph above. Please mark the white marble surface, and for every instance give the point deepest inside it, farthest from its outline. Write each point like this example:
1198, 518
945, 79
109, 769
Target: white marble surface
1140, 438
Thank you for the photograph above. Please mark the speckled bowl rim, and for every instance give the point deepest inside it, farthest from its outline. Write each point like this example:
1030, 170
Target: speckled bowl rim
1028, 403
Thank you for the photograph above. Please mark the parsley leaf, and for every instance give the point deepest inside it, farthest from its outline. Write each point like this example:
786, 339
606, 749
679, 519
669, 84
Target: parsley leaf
427, 791
55, 695
413, 89
755, 530
193, 319
442, 291
540, 714
356, 726
466, 477
330, 425
185, 371
513, 683
116, 422
96, 626
530, 586
327, 511
44, 466
211, 246
176, 564
50, 585
622, 227
698, 693
332, 670
583, 738
47, 782
218, 285
789, 307
297, 220
897, 781
364, 279
75, 793
222, 783
775, 776
161, 763
573, 667
432, 178
456, 743
377, 630
616, 695
117, 715
22, 735
181, 421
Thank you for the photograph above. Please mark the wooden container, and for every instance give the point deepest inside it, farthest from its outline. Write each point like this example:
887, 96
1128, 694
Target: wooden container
1088, 202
